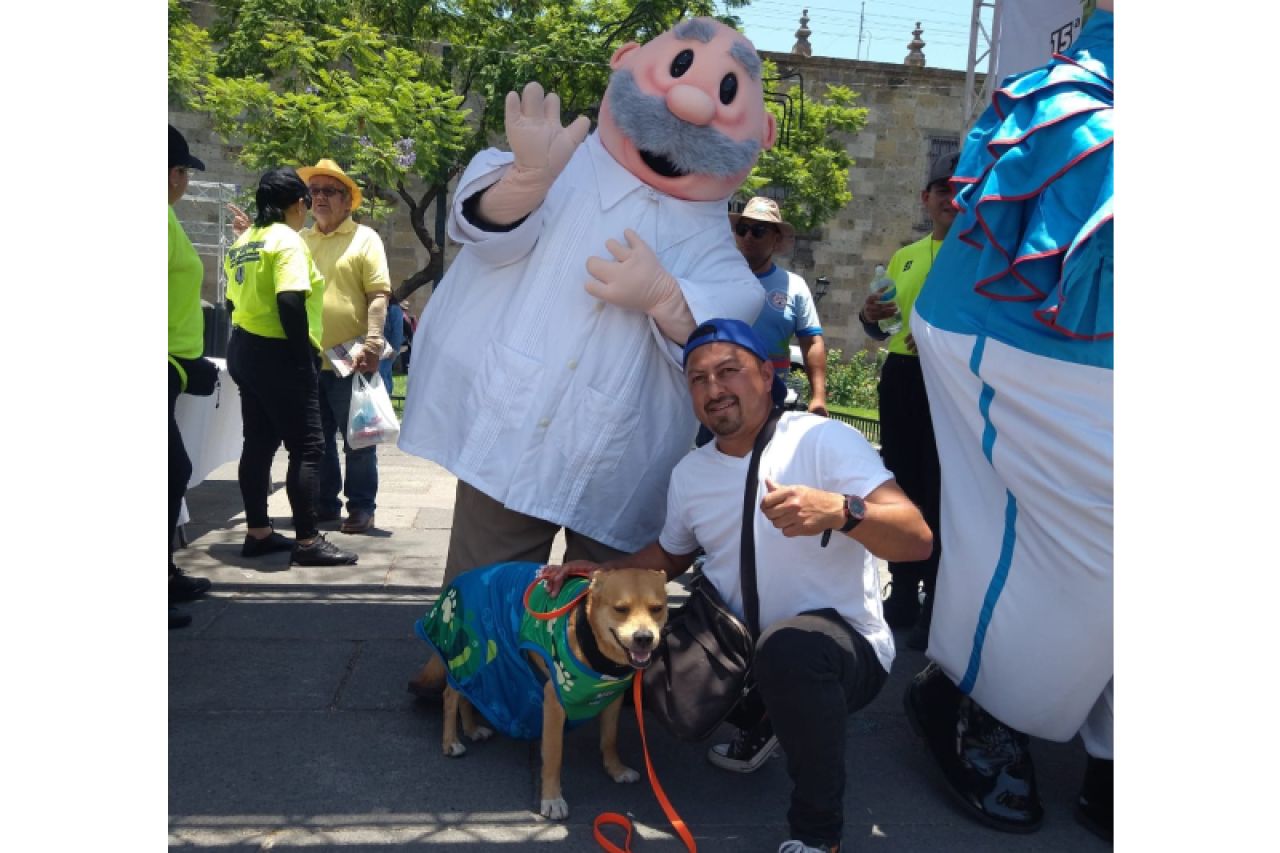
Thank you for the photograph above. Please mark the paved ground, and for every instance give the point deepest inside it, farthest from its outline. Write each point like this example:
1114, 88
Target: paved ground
289, 725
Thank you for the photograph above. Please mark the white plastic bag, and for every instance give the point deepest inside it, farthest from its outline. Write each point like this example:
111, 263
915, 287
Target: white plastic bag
372, 420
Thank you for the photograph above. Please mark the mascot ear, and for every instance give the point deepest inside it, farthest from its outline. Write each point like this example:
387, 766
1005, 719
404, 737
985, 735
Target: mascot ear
615, 61
770, 130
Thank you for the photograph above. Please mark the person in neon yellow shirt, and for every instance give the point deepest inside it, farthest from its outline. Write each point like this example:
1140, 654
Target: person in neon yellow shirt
274, 356
186, 346
906, 426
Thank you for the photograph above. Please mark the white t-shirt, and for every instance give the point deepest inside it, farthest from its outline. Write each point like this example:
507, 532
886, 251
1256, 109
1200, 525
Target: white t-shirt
704, 509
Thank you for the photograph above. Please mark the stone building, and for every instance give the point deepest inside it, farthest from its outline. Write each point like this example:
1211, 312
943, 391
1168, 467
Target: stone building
914, 112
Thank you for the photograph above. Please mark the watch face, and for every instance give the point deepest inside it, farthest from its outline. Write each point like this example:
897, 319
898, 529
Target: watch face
855, 510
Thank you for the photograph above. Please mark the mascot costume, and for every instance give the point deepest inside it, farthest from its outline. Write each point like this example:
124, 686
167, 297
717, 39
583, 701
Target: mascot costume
546, 370
1014, 328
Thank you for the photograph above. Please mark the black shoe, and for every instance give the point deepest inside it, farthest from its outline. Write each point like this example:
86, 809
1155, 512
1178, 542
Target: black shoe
748, 750
918, 636
273, 544
1095, 805
902, 607
984, 762
321, 552
183, 587
178, 618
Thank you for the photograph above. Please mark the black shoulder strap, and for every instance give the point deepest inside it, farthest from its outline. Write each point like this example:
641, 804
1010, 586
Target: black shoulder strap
747, 565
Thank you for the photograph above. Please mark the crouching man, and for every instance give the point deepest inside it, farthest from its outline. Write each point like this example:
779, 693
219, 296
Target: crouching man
826, 505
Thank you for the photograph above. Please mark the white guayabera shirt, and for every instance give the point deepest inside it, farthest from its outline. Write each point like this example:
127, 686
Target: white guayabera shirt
543, 397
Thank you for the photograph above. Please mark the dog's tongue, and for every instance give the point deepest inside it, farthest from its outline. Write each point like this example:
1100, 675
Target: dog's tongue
640, 659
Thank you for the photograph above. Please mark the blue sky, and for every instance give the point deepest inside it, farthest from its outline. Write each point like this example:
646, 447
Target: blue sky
886, 28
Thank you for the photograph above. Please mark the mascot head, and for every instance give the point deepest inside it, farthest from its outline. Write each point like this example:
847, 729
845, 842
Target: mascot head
685, 112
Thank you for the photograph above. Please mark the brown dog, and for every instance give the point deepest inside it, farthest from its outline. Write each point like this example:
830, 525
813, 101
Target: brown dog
624, 610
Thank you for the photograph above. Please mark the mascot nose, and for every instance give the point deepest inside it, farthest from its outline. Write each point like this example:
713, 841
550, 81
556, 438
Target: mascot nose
642, 638
691, 104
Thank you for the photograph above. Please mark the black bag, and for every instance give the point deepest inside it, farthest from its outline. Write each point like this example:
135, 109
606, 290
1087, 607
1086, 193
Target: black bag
702, 667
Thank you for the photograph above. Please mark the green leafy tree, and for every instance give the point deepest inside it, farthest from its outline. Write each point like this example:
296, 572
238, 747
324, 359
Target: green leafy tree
293, 88
808, 170
403, 92
190, 56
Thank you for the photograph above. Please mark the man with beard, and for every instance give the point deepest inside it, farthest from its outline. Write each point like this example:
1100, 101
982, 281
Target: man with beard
827, 508
547, 370
353, 262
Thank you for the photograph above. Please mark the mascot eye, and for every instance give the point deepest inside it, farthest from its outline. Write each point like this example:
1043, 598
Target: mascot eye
728, 88
681, 63
621, 610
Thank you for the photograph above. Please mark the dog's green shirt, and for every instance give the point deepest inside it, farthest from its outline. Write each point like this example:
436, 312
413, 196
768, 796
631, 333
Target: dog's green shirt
480, 628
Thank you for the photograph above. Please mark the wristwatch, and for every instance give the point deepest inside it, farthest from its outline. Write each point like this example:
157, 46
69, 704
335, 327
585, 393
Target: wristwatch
855, 509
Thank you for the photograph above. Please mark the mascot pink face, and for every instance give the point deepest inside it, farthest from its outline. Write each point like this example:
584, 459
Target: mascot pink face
685, 112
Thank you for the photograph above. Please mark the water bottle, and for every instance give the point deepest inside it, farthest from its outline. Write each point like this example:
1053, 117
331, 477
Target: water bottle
884, 286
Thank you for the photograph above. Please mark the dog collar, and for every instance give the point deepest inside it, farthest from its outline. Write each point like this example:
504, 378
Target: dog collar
591, 654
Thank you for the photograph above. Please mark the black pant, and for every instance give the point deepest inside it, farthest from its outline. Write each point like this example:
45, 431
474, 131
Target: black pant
811, 672
910, 452
179, 461
279, 401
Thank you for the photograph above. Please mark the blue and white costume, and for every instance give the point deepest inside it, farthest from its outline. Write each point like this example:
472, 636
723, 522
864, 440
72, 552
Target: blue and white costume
1014, 328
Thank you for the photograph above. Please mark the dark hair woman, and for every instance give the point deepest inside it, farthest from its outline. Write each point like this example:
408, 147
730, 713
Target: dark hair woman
274, 356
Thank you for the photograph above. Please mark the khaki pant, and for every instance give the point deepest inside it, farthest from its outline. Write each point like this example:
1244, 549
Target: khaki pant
485, 532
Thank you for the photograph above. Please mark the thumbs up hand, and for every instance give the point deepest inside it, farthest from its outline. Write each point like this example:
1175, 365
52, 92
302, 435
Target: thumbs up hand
801, 510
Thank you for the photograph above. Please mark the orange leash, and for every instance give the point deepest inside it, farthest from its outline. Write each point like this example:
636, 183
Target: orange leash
615, 819
559, 611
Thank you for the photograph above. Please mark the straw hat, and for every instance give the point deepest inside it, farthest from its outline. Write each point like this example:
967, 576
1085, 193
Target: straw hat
331, 169
761, 209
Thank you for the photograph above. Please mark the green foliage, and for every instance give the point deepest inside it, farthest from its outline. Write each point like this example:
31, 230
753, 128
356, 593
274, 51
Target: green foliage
379, 86
343, 92
851, 383
809, 174
190, 55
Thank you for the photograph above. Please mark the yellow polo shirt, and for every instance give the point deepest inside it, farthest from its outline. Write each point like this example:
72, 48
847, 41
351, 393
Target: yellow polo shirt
908, 268
266, 262
354, 265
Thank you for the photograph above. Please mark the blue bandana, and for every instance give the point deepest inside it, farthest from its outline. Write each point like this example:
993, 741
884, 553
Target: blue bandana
738, 333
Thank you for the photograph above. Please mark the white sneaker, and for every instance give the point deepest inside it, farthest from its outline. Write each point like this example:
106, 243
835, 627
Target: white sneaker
793, 846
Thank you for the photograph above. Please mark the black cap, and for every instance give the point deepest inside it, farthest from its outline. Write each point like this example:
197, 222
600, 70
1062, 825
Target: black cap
942, 168
179, 153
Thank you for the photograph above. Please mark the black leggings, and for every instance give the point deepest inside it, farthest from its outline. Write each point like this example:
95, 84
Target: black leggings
279, 402
179, 461
811, 672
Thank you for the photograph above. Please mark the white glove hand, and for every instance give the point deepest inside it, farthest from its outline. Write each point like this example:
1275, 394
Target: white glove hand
542, 147
637, 281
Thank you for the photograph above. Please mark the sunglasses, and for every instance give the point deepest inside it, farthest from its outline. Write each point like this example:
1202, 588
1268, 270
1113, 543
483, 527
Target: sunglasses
758, 230
328, 192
